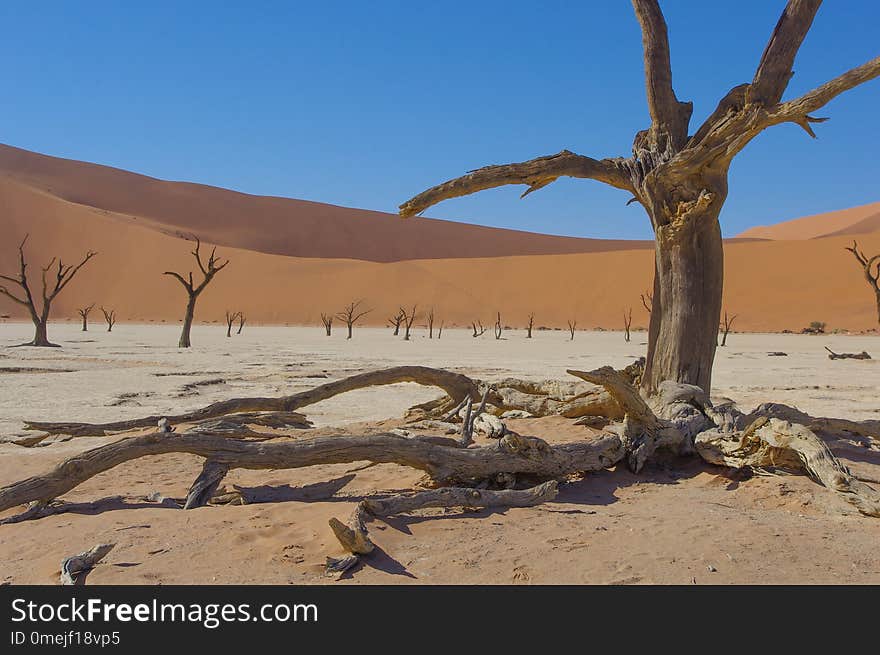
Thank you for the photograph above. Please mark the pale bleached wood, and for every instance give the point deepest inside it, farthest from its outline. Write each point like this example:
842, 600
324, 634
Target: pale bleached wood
444, 462
74, 566
771, 442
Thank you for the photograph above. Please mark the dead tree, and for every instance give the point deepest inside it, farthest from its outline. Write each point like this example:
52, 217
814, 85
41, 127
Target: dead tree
50, 289
109, 317
429, 317
231, 317
627, 322
481, 331
648, 301
725, 326
241, 322
352, 314
209, 269
440, 329
871, 268
327, 320
530, 325
408, 318
498, 327
679, 176
84, 314
572, 326
396, 321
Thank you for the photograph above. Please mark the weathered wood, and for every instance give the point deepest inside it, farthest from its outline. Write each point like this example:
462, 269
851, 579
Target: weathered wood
443, 462
205, 486
456, 386
74, 566
355, 539
771, 442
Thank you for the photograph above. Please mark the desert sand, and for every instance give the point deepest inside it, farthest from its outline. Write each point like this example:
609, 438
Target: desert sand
683, 523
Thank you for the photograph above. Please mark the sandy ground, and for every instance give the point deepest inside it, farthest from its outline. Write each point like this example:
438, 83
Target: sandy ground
679, 522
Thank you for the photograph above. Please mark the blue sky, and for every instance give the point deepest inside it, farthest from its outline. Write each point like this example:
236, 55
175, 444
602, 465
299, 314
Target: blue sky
365, 104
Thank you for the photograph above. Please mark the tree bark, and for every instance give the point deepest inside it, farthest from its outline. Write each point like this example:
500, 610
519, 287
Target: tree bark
686, 308
187, 323
41, 336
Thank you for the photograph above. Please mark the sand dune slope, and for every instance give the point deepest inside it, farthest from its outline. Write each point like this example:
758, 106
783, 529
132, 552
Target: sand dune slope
855, 220
281, 226
772, 285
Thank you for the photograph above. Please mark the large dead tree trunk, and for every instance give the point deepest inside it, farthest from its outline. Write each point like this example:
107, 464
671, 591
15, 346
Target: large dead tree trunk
50, 290
680, 177
209, 269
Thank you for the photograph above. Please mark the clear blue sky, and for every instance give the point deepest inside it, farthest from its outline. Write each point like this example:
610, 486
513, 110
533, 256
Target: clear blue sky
367, 103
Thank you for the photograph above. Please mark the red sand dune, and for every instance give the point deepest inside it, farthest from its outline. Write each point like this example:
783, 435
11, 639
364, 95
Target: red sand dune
856, 220
771, 285
280, 226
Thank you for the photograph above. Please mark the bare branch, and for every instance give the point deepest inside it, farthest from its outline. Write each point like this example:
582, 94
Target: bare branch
775, 69
535, 173
669, 117
795, 110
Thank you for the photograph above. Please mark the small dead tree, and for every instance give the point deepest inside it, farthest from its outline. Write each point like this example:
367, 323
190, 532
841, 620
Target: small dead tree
498, 327
209, 269
429, 317
231, 317
440, 329
572, 326
530, 325
109, 317
396, 321
871, 268
50, 290
327, 320
84, 314
725, 326
627, 322
352, 314
481, 331
408, 318
241, 322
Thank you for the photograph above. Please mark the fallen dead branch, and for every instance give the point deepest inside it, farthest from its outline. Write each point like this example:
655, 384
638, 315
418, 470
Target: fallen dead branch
834, 355
443, 459
353, 535
456, 386
74, 566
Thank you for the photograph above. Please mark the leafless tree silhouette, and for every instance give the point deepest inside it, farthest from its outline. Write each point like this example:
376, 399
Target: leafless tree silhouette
327, 320
725, 326
50, 289
231, 317
109, 317
352, 314
209, 269
627, 322
84, 314
871, 268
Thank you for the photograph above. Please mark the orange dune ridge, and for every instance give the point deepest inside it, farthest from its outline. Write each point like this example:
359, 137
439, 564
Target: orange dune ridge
772, 285
854, 221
